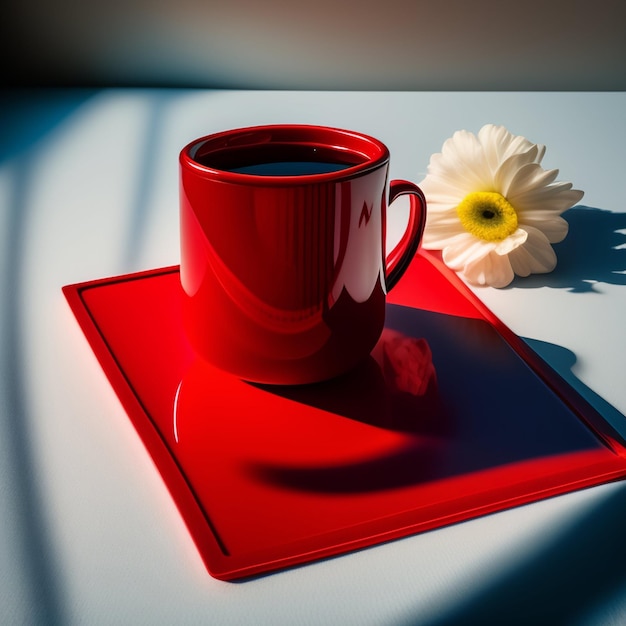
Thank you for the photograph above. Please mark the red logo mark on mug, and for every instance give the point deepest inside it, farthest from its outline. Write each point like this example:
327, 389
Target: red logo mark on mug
365, 214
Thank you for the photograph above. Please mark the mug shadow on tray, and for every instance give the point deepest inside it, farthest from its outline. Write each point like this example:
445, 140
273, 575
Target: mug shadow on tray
395, 389
462, 398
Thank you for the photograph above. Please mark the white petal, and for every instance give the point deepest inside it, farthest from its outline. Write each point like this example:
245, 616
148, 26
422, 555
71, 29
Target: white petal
509, 168
525, 178
443, 226
438, 214
499, 144
541, 150
462, 162
465, 249
511, 242
536, 256
448, 182
555, 197
554, 227
493, 270
435, 209
522, 262
438, 236
441, 195
494, 140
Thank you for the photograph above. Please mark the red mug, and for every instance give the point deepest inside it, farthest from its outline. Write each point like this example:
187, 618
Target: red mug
283, 266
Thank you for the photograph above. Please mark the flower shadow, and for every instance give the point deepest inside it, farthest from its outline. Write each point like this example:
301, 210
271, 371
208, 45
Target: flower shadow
563, 361
593, 252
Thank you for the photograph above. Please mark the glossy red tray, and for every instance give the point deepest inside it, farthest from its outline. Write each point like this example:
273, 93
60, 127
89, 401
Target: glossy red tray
453, 417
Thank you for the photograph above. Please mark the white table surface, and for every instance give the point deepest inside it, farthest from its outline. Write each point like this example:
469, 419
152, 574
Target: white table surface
88, 531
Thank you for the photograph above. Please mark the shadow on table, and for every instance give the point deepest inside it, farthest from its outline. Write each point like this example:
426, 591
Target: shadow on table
594, 251
583, 566
561, 584
26, 119
574, 574
563, 361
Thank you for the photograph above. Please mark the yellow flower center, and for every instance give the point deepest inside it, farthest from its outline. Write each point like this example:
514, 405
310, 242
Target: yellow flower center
487, 215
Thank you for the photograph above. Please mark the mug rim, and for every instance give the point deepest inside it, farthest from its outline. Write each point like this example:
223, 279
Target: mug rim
374, 152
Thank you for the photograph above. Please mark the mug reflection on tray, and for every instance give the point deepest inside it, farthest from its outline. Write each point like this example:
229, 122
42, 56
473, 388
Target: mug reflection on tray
394, 389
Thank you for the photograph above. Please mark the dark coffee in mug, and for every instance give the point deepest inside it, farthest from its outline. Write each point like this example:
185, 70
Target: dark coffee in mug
280, 159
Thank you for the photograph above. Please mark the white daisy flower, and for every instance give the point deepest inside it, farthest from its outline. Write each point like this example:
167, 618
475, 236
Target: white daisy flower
492, 209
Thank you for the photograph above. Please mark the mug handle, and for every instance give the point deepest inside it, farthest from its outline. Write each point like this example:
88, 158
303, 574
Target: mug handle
400, 257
